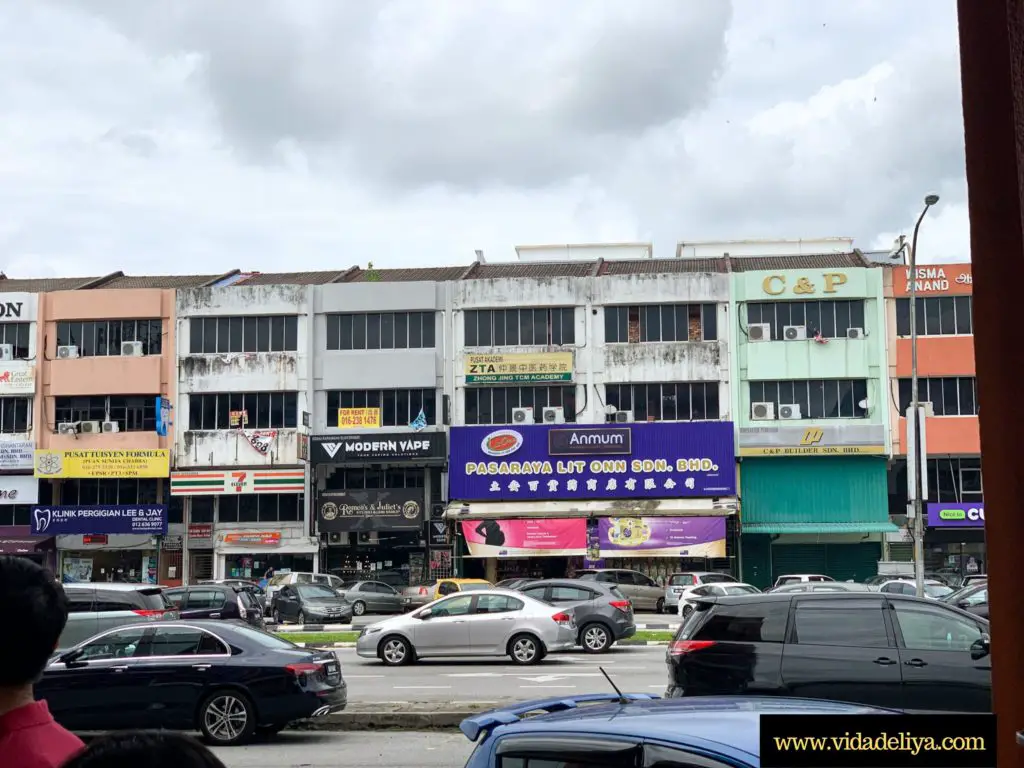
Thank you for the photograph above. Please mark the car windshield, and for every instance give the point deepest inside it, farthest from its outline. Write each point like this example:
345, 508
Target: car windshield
937, 590
474, 587
315, 592
963, 593
246, 598
346, 585
740, 589
681, 580
429, 583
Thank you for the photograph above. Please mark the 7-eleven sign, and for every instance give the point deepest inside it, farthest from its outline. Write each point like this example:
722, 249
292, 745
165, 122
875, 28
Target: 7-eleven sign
240, 482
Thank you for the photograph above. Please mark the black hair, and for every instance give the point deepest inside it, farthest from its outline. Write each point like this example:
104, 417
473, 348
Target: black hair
34, 603
152, 749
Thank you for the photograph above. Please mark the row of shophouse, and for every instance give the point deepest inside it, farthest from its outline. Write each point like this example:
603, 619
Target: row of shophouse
736, 407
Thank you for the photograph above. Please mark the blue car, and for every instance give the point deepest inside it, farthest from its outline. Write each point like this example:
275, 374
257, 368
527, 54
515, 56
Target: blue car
633, 730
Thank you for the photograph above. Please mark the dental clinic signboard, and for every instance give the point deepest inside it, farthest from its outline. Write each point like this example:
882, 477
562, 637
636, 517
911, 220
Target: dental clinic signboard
547, 462
956, 515
56, 521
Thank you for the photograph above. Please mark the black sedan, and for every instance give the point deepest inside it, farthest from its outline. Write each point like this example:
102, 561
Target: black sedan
310, 604
223, 678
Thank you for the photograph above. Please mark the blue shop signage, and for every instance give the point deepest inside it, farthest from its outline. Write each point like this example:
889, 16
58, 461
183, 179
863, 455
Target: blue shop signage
57, 521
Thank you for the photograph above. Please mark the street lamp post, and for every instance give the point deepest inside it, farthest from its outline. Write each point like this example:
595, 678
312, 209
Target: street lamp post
922, 461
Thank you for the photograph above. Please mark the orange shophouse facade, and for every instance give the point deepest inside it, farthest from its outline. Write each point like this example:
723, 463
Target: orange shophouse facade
954, 533
108, 355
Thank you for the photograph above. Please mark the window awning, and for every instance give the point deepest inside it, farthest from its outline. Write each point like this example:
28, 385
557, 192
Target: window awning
484, 510
868, 526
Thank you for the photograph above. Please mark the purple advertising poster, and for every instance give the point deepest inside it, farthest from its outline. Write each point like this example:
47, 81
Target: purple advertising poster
542, 462
956, 515
662, 536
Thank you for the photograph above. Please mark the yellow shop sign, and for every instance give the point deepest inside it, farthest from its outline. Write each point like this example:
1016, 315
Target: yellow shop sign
776, 285
358, 418
103, 464
519, 368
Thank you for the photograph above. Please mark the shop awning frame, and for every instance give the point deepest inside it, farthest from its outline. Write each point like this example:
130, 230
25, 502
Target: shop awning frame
680, 507
820, 528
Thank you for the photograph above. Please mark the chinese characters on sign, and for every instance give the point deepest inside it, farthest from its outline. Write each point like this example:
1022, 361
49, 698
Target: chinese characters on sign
533, 368
358, 418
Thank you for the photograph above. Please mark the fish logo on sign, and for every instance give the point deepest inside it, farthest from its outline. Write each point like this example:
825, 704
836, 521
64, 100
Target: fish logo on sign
331, 449
812, 436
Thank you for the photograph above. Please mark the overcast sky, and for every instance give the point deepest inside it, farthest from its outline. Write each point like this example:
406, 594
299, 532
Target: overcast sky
155, 137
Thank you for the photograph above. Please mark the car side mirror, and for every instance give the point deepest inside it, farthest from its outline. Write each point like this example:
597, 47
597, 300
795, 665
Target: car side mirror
981, 647
71, 656
963, 603
424, 614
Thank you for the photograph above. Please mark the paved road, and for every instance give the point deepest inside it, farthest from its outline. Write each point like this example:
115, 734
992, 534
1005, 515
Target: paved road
358, 622
636, 669
355, 748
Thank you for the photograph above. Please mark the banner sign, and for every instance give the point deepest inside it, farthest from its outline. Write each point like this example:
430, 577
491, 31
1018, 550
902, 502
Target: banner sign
19, 489
55, 521
256, 538
17, 379
824, 440
373, 509
956, 515
526, 537
547, 462
358, 418
519, 368
103, 464
16, 454
662, 536
384, 447
216, 482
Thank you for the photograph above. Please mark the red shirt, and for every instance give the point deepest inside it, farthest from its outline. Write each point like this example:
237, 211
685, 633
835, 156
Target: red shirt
29, 738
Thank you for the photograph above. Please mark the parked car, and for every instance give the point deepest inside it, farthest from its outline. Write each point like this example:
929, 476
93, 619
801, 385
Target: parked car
686, 599
972, 598
823, 586
371, 597
419, 595
95, 607
310, 604
225, 679
216, 601
610, 730
932, 588
255, 590
490, 623
799, 578
871, 648
677, 582
976, 578
643, 591
513, 583
602, 612
299, 577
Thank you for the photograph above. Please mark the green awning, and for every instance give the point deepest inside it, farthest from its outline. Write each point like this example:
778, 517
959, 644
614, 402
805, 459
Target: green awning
868, 526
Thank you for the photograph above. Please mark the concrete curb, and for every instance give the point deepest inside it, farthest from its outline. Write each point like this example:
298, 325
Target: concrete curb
331, 646
387, 721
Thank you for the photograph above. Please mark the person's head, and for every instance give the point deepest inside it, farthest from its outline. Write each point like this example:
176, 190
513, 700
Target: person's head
35, 603
156, 749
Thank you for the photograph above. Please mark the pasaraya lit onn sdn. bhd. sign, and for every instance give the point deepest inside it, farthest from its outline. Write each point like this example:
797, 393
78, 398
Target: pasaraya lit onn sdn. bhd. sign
541, 462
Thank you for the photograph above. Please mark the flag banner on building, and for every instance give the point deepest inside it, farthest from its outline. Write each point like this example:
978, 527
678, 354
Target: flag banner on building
526, 537
662, 536
56, 521
420, 422
260, 439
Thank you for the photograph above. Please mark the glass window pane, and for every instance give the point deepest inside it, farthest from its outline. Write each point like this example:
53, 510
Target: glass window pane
88, 344
249, 334
967, 404
388, 411
429, 322
902, 317
359, 331
650, 323
387, 331
816, 399
932, 320
485, 413
401, 330
611, 325
857, 313
235, 334
842, 318
709, 321
784, 314
951, 397
812, 317
786, 394
854, 623
373, 331
291, 410
498, 326
262, 334
831, 389
541, 329
345, 330
828, 319
947, 315
416, 330
860, 395
668, 323
846, 399
569, 325
291, 333
964, 324
195, 336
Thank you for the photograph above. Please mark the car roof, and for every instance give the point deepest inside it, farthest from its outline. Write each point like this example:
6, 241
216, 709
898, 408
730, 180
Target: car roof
114, 586
785, 596
726, 725
467, 581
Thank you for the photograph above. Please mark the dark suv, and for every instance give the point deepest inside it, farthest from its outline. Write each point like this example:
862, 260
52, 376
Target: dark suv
891, 651
602, 612
217, 601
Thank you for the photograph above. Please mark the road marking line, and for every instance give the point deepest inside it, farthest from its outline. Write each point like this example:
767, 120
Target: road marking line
420, 687
547, 686
361, 677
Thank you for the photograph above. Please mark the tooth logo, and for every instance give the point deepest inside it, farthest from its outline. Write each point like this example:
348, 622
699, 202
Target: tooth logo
42, 519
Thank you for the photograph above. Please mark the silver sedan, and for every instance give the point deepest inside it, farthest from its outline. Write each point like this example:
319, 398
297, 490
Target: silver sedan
483, 623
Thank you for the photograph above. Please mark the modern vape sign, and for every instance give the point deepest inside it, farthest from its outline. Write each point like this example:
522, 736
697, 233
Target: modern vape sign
376, 446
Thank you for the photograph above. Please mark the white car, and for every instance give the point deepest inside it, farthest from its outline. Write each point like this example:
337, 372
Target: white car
689, 595
933, 588
489, 622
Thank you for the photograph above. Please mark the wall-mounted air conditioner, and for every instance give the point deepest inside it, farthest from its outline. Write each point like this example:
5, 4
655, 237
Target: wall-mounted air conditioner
367, 537
522, 416
762, 411
623, 417
67, 428
67, 352
111, 426
795, 333
90, 427
855, 333
759, 332
6, 351
337, 538
553, 415
789, 411
131, 348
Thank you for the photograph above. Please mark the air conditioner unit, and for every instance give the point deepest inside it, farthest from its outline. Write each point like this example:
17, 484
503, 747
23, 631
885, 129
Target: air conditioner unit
759, 332
522, 416
553, 415
91, 427
855, 333
111, 426
367, 537
623, 417
762, 411
131, 349
67, 352
67, 428
794, 333
789, 411
336, 538
6, 351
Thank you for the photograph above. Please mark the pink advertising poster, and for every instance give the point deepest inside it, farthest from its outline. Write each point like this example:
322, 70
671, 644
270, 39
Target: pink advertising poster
525, 538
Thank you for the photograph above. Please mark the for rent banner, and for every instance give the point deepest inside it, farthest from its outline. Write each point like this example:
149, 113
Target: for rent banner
542, 462
662, 536
525, 538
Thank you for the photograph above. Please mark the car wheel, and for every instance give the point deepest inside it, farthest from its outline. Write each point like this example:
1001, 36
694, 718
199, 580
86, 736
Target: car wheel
395, 651
301, 618
525, 649
227, 718
276, 616
358, 608
595, 638
659, 607
687, 610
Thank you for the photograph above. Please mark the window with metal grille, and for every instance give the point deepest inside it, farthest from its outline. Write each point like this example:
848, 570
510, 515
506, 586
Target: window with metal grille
133, 413
830, 319
398, 407
243, 410
246, 333
530, 327
18, 336
381, 330
494, 405
817, 398
673, 401
15, 414
260, 508
937, 316
641, 323
99, 338
949, 395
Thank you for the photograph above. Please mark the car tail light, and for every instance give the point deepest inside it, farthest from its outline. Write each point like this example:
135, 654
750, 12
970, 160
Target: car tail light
682, 647
562, 618
145, 612
622, 605
241, 608
423, 590
302, 668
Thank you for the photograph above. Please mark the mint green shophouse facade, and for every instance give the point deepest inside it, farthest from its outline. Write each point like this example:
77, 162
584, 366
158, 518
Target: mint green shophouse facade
812, 416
